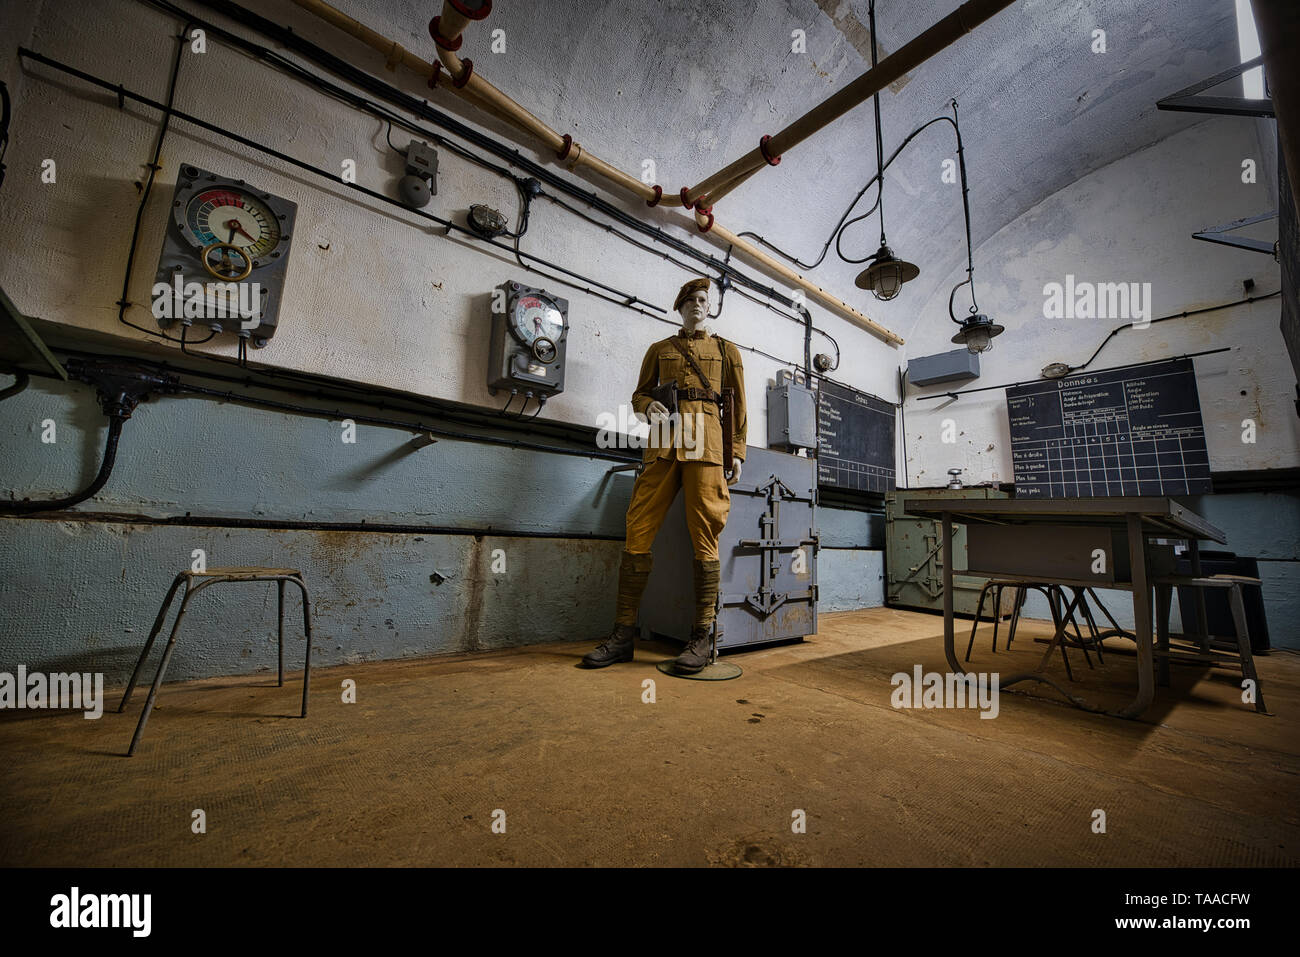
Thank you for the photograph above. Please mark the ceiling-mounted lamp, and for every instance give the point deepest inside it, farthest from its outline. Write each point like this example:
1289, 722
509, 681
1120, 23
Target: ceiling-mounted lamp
977, 332
887, 273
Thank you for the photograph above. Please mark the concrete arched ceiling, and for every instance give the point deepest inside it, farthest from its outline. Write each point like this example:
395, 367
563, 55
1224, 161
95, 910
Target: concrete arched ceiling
690, 86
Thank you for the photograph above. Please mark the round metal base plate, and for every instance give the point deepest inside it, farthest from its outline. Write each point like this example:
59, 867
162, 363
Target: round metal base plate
718, 671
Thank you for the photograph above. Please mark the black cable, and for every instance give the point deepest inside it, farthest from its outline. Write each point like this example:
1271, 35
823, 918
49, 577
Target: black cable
357, 77
153, 168
479, 418
623, 298
423, 109
6, 113
21, 381
1177, 315
1127, 365
397, 424
880, 142
105, 470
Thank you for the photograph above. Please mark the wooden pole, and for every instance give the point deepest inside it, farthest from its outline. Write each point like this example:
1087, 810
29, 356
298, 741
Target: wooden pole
961, 21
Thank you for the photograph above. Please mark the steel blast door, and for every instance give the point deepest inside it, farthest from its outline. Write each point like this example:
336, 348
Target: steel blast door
768, 588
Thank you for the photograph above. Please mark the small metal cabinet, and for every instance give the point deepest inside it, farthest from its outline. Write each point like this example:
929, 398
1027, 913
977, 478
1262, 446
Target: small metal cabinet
914, 553
768, 551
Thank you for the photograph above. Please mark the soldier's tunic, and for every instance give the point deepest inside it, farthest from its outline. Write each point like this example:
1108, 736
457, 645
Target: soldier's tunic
670, 464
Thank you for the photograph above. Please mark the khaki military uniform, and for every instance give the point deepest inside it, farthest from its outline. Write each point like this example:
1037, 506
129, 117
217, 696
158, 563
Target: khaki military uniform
690, 457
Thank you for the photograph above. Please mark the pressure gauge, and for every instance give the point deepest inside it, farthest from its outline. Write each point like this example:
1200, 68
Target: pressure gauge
528, 333
536, 322
224, 256
234, 217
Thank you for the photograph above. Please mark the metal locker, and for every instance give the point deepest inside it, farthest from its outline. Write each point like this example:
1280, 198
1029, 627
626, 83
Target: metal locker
913, 554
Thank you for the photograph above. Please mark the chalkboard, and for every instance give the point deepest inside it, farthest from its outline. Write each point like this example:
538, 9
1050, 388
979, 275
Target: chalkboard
1130, 431
855, 440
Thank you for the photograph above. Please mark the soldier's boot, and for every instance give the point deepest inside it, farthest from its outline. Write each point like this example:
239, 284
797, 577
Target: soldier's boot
699, 649
617, 647
633, 573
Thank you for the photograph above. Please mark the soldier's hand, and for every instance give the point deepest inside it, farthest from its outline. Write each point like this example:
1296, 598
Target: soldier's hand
656, 410
735, 472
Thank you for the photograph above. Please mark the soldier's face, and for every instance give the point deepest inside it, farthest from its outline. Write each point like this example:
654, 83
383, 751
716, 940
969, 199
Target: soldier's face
695, 308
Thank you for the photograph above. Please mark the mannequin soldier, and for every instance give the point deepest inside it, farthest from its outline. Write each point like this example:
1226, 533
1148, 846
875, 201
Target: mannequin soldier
692, 460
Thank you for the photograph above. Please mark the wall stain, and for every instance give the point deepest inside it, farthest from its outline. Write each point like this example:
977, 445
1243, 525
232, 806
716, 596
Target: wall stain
858, 34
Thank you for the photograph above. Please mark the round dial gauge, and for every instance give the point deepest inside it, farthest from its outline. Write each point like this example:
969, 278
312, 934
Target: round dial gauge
234, 217
535, 317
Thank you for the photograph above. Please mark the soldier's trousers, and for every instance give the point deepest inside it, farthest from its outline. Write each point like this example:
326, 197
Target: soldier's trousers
707, 501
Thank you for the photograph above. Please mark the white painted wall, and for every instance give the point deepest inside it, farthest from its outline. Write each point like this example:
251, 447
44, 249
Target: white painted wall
372, 294
1130, 221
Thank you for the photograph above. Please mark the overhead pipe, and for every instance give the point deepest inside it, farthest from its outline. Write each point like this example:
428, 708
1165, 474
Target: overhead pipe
448, 29
770, 149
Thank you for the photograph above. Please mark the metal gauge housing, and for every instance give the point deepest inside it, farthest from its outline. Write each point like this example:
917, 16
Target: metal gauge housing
224, 256
528, 335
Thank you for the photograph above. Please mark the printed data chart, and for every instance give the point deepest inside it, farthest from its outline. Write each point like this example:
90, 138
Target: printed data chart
855, 440
1132, 431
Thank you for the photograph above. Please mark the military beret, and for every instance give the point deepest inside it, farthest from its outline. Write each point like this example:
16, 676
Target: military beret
689, 288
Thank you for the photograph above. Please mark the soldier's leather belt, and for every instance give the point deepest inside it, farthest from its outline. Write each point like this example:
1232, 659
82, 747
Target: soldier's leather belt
697, 395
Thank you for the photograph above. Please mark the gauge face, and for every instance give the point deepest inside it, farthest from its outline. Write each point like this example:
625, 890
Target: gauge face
227, 215
534, 317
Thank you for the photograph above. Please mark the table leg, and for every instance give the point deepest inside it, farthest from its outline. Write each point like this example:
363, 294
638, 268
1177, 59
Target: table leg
948, 627
1203, 633
1164, 598
1137, 554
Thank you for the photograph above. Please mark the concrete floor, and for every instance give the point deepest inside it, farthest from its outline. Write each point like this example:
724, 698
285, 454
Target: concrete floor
711, 773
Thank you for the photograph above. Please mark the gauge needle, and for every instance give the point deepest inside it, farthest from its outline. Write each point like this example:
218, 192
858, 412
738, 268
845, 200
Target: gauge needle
234, 227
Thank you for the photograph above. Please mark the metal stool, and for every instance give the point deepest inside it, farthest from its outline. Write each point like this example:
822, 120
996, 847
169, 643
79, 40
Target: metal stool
214, 576
1063, 611
1207, 651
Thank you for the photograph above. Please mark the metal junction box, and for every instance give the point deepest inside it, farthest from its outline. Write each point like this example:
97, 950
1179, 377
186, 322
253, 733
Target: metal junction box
768, 550
791, 414
914, 554
956, 366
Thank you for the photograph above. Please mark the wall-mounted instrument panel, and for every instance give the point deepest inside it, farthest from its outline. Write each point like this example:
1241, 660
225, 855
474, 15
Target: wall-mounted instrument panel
224, 257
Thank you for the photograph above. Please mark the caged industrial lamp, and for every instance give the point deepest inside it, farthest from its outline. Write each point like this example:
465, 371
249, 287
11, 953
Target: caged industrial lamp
887, 273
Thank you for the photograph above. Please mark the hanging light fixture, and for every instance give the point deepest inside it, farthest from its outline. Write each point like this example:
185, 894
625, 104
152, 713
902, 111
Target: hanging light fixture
977, 330
887, 273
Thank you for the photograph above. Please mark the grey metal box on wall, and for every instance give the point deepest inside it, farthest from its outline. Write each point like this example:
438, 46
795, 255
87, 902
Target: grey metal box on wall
791, 414
956, 366
768, 551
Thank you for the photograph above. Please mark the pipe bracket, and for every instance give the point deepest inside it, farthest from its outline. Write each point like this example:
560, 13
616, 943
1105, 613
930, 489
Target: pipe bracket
686, 201
659, 194
438, 38
468, 72
394, 57
470, 14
